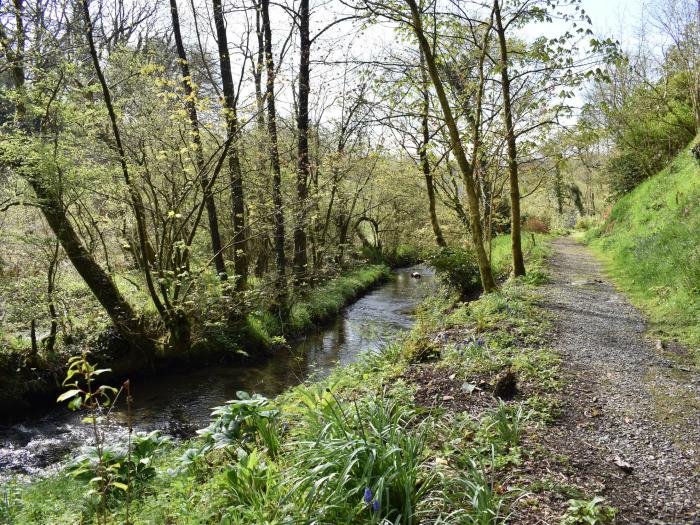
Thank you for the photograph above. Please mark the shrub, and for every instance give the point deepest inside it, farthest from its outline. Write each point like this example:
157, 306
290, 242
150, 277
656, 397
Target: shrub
241, 422
118, 467
585, 223
457, 269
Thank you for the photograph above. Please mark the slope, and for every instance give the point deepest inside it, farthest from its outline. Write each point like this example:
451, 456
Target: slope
650, 242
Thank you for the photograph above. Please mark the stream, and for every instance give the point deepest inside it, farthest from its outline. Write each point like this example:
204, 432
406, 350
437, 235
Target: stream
179, 402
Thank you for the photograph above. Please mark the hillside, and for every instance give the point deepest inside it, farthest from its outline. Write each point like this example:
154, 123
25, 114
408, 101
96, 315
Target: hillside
651, 243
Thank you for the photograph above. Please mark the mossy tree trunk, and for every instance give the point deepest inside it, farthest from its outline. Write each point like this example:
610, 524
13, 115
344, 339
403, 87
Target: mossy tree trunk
516, 244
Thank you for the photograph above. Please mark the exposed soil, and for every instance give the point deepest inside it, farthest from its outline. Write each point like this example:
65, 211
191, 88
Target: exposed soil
630, 423
437, 388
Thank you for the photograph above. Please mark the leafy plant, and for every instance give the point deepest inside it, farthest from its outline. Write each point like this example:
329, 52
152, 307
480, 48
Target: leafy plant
480, 499
253, 485
242, 422
80, 380
119, 468
457, 269
588, 512
508, 423
9, 503
360, 461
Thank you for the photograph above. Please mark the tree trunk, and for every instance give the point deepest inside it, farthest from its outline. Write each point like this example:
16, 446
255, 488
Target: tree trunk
191, 109
300, 240
50, 340
516, 247
278, 214
558, 189
99, 282
423, 153
232, 130
487, 281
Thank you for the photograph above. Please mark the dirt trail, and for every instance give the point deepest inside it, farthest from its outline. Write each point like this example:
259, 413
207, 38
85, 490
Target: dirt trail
630, 423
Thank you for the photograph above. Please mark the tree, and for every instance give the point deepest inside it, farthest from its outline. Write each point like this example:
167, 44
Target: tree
300, 238
191, 107
487, 281
30, 157
232, 135
278, 214
516, 248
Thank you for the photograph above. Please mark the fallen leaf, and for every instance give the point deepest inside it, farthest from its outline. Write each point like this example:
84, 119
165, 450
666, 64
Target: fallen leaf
469, 387
453, 376
447, 398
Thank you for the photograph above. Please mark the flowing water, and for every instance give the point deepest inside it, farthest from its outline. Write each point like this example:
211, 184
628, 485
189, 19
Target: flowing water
179, 402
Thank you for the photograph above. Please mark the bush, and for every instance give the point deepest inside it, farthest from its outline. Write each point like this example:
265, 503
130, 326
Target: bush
585, 223
117, 467
457, 269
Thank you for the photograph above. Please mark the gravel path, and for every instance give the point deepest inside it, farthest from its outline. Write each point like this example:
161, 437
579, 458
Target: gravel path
630, 423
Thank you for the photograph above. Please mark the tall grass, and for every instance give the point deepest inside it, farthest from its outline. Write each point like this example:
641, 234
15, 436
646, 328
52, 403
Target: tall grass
360, 461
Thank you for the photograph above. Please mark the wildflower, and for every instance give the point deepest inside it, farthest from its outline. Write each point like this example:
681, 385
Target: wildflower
375, 506
368, 495
480, 342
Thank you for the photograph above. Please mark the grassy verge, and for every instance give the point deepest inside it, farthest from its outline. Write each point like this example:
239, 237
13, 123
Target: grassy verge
650, 243
326, 301
415, 433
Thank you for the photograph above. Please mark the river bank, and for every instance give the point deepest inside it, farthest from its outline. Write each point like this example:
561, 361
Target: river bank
33, 380
177, 401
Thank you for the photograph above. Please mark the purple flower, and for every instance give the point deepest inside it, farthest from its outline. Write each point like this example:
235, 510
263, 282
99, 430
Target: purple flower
368, 495
480, 342
375, 506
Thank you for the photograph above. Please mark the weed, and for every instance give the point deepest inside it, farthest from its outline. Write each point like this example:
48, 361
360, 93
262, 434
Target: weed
588, 512
243, 421
480, 499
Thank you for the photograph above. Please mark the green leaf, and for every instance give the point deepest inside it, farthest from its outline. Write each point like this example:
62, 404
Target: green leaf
68, 394
121, 486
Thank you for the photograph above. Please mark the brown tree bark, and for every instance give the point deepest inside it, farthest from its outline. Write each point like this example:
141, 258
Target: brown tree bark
191, 109
278, 214
240, 259
487, 281
516, 245
299, 234
423, 154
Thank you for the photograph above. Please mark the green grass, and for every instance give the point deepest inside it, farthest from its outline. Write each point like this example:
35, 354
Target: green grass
535, 251
651, 245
